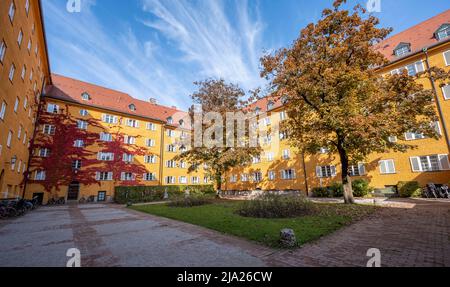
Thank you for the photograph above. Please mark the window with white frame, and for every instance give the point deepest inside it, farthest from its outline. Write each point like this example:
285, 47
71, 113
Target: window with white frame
387, 166
39, 175
105, 156
206, 179
233, 178
288, 174
412, 69
127, 176
129, 140
132, 107
12, 70
443, 32
19, 166
19, 132
392, 139
170, 133
85, 96
149, 176
267, 139
402, 49
78, 143
446, 58
324, 150
171, 148
270, 156
171, 164
244, 177
52, 108
257, 176
16, 105
104, 175
44, 152
413, 136
31, 75
284, 135
27, 6
109, 119
2, 51
49, 129
283, 116
82, 125
286, 154
127, 157
76, 164
25, 103
106, 137
11, 11
24, 71
150, 142
132, 123
271, 175
256, 159
326, 171
170, 180
24, 138
195, 180
435, 162
183, 164
446, 91
267, 121
84, 113
151, 126
3, 110
150, 159
29, 45
357, 170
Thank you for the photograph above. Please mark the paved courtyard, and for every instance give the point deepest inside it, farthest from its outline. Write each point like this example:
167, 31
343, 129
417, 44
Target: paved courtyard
410, 233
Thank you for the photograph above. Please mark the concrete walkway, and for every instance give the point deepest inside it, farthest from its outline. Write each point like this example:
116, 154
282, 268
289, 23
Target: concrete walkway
108, 235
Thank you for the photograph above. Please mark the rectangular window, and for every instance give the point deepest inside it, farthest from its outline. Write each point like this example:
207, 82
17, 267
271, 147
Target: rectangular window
182, 180
24, 138
127, 176
39, 175
12, 11
12, 70
132, 123
244, 177
82, 125
151, 126
49, 129
84, 113
101, 197
357, 170
267, 121
387, 166
24, 71
447, 58
9, 138
256, 159
326, 171
286, 154
127, 157
271, 175
257, 176
27, 6
414, 136
150, 159
76, 164
16, 105
105, 156
170, 180
205, 179
25, 103
104, 176
129, 140
150, 142
195, 180
233, 178
283, 116
288, 174
149, 176
78, 143
171, 148
170, 133
19, 132
20, 37
182, 164
109, 119
270, 156
430, 163
105, 137
2, 51
171, 164
446, 91
3, 111
283, 135
44, 152
52, 108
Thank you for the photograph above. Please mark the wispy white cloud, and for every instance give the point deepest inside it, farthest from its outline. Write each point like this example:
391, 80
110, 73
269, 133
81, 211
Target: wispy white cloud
223, 43
206, 39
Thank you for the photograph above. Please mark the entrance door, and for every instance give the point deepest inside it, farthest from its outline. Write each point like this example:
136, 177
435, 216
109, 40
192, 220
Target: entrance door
74, 190
40, 197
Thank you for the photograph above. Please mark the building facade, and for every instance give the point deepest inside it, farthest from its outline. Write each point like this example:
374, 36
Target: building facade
282, 167
24, 71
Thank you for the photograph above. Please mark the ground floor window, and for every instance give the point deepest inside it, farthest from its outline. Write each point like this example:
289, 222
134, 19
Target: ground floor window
430, 163
326, 171
101, 196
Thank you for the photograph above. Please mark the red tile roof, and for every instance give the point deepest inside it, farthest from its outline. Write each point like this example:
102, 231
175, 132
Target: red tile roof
69, 89
419, 36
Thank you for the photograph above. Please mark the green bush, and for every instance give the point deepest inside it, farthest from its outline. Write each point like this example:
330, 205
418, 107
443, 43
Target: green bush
141, 194
190, 201
337, 189
409, 189
361, 187
321, 192
276, 206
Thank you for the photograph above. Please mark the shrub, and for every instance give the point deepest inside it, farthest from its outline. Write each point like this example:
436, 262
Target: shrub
321, 192
190, 201
337, 189
138, 194
361, 187
409, 189
276, 206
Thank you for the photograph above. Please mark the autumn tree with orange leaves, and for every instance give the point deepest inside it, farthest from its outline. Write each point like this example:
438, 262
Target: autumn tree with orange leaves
336, 97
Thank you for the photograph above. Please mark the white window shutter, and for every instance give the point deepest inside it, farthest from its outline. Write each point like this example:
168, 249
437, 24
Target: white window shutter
99, 155
103, 118
443, 162
361, 168
409, 136
391, 166
122, 176
137, 124
333, 170
97, 175
447, 58
319, 171
133, 176
415, 164
383, 167
446, 91
125, 139
437, 128
110, 175
419, 67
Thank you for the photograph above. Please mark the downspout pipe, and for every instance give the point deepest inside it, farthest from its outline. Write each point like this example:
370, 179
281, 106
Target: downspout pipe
438, 101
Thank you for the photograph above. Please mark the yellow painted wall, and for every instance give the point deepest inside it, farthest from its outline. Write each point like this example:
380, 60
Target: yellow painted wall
25, 89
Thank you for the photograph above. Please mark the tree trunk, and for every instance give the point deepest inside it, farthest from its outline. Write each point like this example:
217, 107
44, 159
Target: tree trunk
218, 179
346, 181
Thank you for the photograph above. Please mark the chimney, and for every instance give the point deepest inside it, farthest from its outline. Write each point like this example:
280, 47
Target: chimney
174, 107
152, 101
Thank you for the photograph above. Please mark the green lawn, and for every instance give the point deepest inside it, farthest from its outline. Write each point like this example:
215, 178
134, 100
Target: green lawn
220, 216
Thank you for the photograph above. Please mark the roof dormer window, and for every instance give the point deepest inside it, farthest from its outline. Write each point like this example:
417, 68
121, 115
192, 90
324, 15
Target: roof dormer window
270, 105
181, 122
132, 107
402, 49
170, 120
443, 32
257, 110
284, 99
85, 96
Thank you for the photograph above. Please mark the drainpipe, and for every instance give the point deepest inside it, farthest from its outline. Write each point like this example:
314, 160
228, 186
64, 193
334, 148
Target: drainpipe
161, 158
438, 102
305, 174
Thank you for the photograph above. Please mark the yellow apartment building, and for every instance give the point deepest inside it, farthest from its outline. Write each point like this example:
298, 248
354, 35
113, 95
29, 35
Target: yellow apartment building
280, 167
24, 71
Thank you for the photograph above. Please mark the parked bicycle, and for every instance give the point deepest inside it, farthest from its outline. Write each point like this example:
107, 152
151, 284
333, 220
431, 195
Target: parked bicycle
57, 201
89, 199
432, 191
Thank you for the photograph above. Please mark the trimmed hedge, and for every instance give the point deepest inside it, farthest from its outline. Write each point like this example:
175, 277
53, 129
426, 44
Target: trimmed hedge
361, 187
321, 192
409, 189
141, 194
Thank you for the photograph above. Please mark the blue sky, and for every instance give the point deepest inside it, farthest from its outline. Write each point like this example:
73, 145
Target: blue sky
158, 48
